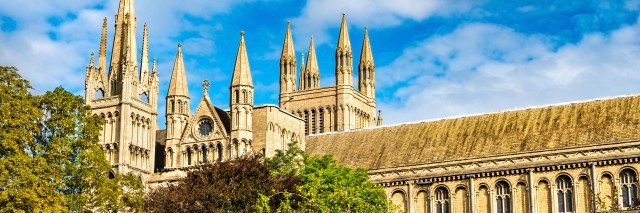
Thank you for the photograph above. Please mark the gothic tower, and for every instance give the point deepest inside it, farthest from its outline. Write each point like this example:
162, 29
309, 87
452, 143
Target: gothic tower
287, 67
177, 107
310, 76
241, 102
344, 79
344, 56
126, 97
367, 69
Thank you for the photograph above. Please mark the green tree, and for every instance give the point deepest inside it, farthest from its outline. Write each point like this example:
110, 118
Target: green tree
327, 186
50, 157
227, 186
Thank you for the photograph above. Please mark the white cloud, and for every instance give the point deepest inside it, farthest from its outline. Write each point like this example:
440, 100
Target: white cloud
319, 15
484, 68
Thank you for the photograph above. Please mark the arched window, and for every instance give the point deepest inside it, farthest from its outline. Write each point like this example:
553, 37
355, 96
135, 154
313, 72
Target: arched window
236, 152
564, 191
244, 96
306, 125
99, 94
321, 120
442, 200
172, 107
503, 197
629, 187
219, 148
313, 121
144, 97
189, 156
237, 94
204, 153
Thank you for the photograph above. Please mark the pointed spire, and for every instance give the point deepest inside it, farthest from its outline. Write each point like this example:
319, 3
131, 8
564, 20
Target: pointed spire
144, 65
91, 64
379, 123
365, 55
241, 71
153, 69
312, 65
124, 43
178, 84
344, 56
102, 55
287, 48
343, 38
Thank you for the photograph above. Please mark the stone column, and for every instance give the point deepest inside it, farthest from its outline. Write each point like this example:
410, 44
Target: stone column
594, 188
471, 192
531, 185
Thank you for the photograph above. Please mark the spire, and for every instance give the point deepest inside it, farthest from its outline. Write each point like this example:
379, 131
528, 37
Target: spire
153, 68
343, 38
124, 42
287, 65
144, 65
241, 71
91, 64
379, 123
287, 48
365, 55
178, 84
366, 68
102, 55
312, 66
344, 56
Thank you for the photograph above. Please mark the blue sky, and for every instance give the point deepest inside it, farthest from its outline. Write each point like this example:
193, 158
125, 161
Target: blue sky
433, 58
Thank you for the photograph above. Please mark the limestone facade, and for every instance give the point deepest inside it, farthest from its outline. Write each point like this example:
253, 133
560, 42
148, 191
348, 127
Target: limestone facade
561, 158
576, 157
126, 97
340, 107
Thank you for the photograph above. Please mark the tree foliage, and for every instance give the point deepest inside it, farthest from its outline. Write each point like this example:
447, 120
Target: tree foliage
327, 186
228, 186
50, 159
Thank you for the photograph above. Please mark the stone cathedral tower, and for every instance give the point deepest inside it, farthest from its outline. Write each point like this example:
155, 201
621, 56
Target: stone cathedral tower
241, 101
126, 96
340, 107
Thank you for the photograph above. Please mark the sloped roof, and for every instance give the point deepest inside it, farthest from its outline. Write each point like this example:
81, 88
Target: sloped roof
544, 128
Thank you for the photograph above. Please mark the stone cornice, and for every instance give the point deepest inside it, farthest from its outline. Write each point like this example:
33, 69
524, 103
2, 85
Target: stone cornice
540, 161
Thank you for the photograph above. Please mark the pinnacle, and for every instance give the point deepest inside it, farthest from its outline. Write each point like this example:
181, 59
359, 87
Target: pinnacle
178, 84
241, 71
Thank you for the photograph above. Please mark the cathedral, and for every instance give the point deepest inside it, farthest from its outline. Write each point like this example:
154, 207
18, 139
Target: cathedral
572, 157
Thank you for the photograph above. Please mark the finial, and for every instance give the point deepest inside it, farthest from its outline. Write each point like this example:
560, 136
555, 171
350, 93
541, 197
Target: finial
242, 33
344, 13
366, 28
205, 86
288, 21
179, 45
92, 54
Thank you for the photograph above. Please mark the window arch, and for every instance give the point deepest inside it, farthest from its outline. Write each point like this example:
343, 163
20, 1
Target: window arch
629, 187
144, 97
244, 96
219, 148
204, 153
503, 197
564, 194
237, 94
442, 200
99, 93
189, 156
